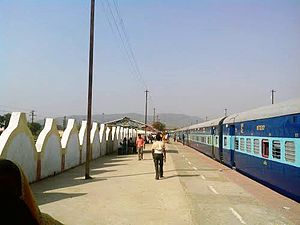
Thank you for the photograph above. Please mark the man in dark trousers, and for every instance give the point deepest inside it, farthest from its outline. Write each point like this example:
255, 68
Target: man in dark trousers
159, 156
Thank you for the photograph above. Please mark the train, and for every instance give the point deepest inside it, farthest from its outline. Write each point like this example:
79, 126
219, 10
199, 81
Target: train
262, 143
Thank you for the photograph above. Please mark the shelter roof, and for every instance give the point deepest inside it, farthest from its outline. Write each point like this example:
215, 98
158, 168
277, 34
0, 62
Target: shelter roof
130, 123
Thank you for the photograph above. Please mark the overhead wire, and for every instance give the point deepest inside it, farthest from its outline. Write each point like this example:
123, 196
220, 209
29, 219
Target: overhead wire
124, 49
129, 43
113, 17
128, 53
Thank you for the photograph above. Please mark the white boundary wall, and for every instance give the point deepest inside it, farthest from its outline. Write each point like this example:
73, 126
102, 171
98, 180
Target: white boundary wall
48, 146
17, 145
82, 141
51, 154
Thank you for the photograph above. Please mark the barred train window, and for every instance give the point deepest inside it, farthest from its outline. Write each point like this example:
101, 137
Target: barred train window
208, 140
290, 153
265, 148
242, 144
236, 143
225, 141
202, 139
248, 145
276, 150
256, 146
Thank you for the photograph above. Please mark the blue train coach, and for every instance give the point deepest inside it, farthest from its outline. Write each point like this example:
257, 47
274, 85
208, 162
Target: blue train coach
205, 137
264, 144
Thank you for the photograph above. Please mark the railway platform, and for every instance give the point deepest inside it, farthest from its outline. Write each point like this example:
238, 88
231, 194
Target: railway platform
195, 190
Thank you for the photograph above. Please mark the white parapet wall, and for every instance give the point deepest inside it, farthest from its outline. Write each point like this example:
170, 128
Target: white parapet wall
49, 148
108, 140
102, 137
95, 141
121, 133
51, 154
17, 145
118, 132
70, 145
116, 139
82, 141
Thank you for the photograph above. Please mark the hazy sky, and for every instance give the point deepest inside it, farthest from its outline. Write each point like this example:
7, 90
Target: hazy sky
196, 57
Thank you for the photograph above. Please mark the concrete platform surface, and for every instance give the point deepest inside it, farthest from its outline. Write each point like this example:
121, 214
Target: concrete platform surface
195, 190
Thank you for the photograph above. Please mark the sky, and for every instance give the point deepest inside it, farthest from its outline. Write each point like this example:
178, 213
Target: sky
194, 57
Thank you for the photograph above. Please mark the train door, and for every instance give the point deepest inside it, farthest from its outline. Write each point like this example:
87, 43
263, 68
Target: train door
220, 153
213, 142
232, 148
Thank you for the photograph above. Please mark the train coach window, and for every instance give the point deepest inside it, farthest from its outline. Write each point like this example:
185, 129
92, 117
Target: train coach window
236, 143
225, 141
256, 146
265, 148
248, 145
208, 140
276, 150
202, 139
242, 144
290, 153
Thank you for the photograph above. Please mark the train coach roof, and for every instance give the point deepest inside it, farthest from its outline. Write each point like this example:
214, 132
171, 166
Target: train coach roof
280, 109
209, 123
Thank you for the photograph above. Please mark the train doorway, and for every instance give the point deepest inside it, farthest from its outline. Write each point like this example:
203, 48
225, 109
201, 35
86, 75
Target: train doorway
232, 149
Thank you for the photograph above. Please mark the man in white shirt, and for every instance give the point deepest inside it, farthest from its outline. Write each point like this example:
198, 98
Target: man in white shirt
159, 155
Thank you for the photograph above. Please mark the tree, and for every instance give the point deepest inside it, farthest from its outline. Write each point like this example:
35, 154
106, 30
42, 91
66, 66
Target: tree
35, 128
4, 120
159, 126
60, 127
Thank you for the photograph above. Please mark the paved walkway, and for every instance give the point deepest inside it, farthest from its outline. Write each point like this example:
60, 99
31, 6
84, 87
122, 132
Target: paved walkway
195, 190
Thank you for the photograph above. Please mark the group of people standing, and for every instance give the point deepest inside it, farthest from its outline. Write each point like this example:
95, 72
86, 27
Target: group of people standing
127, 147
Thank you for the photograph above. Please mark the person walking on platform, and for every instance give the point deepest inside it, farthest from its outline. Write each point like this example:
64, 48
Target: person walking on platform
159, 156
140, 146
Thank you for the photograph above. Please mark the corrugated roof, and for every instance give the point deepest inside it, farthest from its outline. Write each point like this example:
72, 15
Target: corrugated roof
129, 123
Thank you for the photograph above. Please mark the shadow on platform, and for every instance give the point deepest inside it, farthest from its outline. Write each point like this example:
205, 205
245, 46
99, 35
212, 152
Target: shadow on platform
44, 190
45, 198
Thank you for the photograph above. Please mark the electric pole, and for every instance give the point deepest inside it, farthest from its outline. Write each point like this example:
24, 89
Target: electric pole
90, 93
32, 115
272, 96
146, 105
65, 122
154, 115
225, 112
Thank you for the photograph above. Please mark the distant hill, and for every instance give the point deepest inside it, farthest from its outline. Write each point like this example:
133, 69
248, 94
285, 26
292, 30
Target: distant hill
170, 119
